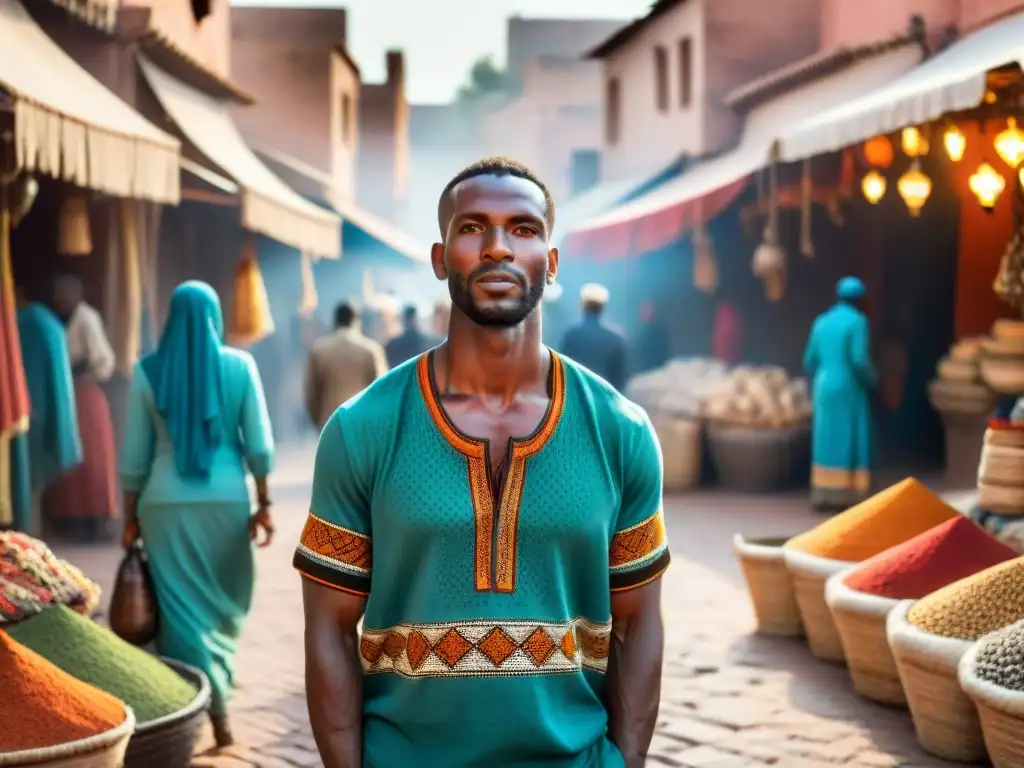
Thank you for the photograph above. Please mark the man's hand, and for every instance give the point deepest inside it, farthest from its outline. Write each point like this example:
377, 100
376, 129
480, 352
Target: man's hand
132, 532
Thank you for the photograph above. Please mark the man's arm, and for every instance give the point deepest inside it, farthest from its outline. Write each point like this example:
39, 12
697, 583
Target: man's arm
634, 670
334, 676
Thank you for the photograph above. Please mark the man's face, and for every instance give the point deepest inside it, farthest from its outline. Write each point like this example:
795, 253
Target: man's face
495, 254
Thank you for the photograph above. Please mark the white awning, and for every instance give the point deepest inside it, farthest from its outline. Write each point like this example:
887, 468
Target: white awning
592, 202
269, 206
710, 186
69, 126
951, 81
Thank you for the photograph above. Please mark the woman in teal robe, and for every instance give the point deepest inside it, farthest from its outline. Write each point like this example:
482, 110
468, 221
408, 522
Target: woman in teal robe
197, 424
839, 362
52, 446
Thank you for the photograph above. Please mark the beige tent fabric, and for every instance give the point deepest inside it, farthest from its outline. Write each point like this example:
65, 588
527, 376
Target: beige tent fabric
69, 126
269, 206
101, 14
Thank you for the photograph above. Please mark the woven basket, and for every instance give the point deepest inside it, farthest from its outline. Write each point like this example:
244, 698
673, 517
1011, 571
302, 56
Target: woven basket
944, 717
168, 742
681, 451
769, 585
1005, 435
860, 621
105, 750
760, 459
1004, 375
957, 370
1001, 499
1002, 466
1000, 710
809, 574
1008, 329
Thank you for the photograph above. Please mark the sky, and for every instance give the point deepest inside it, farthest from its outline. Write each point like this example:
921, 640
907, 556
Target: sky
442, 38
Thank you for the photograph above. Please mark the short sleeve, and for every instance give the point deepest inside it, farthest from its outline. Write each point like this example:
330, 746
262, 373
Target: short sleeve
336, 547
639, 549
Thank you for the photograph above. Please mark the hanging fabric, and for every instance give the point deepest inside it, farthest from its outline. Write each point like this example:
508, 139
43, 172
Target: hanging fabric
705, 270
123, 284
806, 211
309, 299
74, 234
251, 320
769, 257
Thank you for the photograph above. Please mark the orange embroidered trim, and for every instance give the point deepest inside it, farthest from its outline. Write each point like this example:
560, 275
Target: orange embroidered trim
643, 541
339, 545
475, 452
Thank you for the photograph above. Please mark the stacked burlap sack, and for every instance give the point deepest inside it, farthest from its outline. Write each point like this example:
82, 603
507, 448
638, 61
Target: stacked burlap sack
1001, 363
1001, 469
764, 397
958, 387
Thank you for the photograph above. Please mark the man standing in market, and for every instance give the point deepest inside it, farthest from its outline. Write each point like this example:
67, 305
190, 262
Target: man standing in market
410, 342
509, 618
594, 342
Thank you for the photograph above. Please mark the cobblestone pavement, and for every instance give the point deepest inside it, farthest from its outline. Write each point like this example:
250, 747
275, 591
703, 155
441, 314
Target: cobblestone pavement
729, 699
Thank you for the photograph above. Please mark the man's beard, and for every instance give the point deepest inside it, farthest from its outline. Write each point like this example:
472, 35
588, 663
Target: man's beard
496, 317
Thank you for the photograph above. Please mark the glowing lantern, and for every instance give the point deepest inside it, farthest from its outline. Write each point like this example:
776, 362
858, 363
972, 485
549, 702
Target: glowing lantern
987, 185
956, 143
873, 186
914, 142
878, 152
915, 188
1010, 144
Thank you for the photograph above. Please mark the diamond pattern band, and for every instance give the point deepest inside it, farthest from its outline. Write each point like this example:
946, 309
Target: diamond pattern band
486, 648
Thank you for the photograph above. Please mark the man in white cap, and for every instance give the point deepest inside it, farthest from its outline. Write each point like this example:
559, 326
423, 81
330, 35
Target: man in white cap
593, 342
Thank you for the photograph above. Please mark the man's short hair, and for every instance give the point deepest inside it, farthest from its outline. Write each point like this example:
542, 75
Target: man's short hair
409, 313
345, 314
498, 166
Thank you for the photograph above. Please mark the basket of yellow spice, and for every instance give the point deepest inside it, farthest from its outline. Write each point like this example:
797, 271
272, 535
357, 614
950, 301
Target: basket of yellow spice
888, 518
862, 596
169, 699
52, 720
928, 639
992, 674
769, 585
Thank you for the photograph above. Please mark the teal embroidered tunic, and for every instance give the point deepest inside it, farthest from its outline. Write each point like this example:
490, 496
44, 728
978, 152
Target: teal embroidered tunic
488, 616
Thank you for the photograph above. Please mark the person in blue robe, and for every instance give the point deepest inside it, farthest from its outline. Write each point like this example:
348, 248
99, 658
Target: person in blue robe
838, 360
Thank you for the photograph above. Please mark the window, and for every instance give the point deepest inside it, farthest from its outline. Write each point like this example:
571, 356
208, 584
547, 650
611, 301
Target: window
685, 72
612, 108
346, 118
661, 96
201, 9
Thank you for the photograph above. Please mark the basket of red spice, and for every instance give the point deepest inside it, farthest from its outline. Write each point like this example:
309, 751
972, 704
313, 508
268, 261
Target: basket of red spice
769, 585
861, 597
888, 518
52, 720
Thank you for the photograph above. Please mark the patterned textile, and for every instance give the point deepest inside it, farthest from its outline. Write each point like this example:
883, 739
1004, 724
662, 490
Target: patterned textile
476, 594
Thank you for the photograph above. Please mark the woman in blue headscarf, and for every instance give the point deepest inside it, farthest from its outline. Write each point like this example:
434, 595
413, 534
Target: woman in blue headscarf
839, 362
197, 424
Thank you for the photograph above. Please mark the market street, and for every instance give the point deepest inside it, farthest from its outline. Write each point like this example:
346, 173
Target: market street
729, 699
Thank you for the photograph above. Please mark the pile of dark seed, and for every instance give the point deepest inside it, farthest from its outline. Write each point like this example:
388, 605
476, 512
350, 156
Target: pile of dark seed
1000, 658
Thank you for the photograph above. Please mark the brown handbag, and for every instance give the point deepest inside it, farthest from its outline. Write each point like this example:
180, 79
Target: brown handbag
133, 609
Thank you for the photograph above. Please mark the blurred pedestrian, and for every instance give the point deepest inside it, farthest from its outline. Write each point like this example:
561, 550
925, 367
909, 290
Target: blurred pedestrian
595, 343
839, 361
84, 501
651, 344
197, 426
410, 343
341, 365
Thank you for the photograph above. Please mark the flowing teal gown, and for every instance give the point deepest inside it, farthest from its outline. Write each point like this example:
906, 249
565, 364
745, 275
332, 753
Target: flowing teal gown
196, 529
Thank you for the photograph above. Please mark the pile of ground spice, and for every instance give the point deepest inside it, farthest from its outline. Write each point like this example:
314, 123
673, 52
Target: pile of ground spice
97, 656
946, 553
888, 518
43, 706
975, 606
1000, 658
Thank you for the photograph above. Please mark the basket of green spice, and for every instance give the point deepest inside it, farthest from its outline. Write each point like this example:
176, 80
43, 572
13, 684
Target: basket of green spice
770, 586
862, 596
161, 697
992, 674
928, 639
52, 720
169, 741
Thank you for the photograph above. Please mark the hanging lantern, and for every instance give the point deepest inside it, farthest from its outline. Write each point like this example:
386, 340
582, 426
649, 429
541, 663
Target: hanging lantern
1020, 176
873, 186
74, 235
879, 152
987, 185
250, 320
1009, 144
914, 142
956, 143
915, 188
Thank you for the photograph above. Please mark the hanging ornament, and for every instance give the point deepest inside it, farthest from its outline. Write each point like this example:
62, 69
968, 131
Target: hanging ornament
1009, 144
987, 185
23, 195
873, 186
309, 300
1009, 282
250, 320
955, 142
914, 142
806, 212
915, 188
705, 269
74, 235
879, 152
